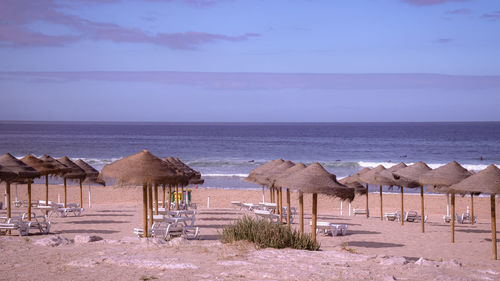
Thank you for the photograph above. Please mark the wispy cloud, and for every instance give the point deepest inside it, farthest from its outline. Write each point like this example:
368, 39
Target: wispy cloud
252, 81
17, 14
492, 16
443, 40
430, 2
459, 12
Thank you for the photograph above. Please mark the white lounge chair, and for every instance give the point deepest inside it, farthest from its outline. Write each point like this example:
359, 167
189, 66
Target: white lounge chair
396, 216
466, 218
250, 206
447, 219
40, 223
359, 212
413, 216
14, 224
264, 214
330, 228
237, 205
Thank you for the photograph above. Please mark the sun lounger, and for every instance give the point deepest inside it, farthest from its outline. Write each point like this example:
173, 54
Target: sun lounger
331, 228
268, 206
413, 216
447, 219
250, 206
395, 216
24, 203
71, 208
237, 205
359, 212
39, 223
264, 214
166, 230
466, 218
14, 224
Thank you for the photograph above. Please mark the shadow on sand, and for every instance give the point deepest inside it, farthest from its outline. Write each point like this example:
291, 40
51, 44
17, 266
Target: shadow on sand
368, 244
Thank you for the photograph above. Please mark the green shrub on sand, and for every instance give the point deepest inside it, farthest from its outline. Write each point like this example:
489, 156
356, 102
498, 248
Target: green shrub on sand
266, 234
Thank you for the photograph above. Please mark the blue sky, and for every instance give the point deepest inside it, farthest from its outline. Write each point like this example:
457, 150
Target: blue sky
235, 60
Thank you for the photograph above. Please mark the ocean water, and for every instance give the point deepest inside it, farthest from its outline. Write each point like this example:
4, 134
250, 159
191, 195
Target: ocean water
226, 152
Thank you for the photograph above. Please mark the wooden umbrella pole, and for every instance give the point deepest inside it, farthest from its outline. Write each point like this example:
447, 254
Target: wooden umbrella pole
471, 208
145, 209
29, 199
9, 208
182, 194
169, 196
47, 190
453, 218
163, 201
271, 195
81, 194
263, 195
156, 199
281, 204
150, 205
402, 207
301, 211
288, 211
493, 226
367, 213
65, 194
381, 208
314, 215
422, 207
176, 197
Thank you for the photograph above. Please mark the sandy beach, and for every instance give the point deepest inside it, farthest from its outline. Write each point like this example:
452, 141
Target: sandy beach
372, 250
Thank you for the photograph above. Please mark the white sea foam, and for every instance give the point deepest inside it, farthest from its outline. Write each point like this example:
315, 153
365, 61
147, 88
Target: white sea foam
473, 167
226, 175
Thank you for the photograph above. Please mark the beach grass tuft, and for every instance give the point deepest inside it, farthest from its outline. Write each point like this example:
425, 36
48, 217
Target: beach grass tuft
266, 234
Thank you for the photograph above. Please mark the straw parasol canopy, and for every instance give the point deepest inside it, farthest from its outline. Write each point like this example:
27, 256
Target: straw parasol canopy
74, 172
369, 176
22, 171
91, 173
385, 177
409, 176
315, 179
446, 175
137, 169
252, 176
140, 168
44, 168
290, 171
18, 167
6, 175
485, 181
272, 174
358, 187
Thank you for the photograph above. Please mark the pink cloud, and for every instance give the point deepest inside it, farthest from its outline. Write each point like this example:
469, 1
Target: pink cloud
252, 81
16, 14
430, 2
492, 16
444, 40
459, 12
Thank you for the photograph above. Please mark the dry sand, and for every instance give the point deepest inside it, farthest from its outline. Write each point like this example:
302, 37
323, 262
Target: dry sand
373, 249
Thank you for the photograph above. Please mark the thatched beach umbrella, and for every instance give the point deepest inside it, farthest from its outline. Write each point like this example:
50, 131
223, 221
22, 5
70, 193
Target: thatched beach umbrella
270, 178
368, 177
288, 172
76, 173
315, 179
385, 177
142, 168
409, 177
22, 171
182, 177
91, 176
254, 176
44, 168
443, 177
59, 169
486, 181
